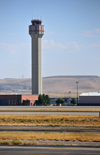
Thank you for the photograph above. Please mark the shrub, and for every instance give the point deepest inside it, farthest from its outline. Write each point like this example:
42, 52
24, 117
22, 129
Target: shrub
17, 142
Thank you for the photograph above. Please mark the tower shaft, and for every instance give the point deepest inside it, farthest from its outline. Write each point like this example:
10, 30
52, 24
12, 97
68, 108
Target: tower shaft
36, 66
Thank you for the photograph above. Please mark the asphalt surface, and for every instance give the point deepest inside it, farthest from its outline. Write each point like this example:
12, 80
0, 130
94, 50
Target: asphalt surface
51, 129
49, 113
50, 107
23, 150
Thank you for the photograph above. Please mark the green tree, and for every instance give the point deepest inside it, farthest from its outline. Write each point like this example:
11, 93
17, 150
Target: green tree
40, 99
47, 100
73, 101
59, 101
43, 100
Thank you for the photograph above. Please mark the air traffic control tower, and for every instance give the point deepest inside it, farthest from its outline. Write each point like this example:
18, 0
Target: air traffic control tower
36, 31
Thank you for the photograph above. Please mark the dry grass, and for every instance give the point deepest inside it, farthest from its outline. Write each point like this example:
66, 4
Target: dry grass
60, 120
49, 136
48, 109
16, 142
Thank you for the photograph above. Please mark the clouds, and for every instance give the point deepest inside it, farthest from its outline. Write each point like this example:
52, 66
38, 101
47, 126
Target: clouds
52, 33
70, 47
94, 33
51, 44
4, 47
95, 44
97, 30
16, 49
22, 48
25, 48
76, 46
15, 59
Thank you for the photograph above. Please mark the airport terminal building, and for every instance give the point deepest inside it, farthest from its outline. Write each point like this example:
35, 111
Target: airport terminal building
18, 100
89, 99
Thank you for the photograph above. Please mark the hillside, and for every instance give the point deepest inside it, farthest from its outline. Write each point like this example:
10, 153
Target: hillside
54, 86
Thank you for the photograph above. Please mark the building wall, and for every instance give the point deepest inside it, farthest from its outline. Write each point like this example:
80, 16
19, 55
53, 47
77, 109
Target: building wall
15, 100
10, 100
89, 100
32, 98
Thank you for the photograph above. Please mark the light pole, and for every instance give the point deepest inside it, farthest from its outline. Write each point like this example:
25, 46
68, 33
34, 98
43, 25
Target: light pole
77, 91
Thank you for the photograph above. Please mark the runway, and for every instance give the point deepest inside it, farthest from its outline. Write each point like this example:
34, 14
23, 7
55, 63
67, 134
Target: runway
48, 113
50, 107
59, 129
25, 150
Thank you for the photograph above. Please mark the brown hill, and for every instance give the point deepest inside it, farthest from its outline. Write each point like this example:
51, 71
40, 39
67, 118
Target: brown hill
55, 86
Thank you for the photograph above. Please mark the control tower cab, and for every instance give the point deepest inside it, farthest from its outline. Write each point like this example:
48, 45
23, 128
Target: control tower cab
36, 28
36, 22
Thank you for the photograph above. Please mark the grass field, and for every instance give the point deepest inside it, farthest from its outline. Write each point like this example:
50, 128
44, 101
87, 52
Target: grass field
16, 142
60, 120
51, 136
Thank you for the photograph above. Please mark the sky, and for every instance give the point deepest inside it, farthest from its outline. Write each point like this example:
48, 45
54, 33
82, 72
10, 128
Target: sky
70, 46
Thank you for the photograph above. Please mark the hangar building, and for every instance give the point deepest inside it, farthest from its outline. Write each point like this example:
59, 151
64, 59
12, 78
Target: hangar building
15, 100
89, 99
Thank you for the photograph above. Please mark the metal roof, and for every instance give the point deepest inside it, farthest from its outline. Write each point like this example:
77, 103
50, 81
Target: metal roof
90, 94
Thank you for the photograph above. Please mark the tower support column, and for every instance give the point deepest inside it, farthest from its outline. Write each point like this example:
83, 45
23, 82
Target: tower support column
36, 65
